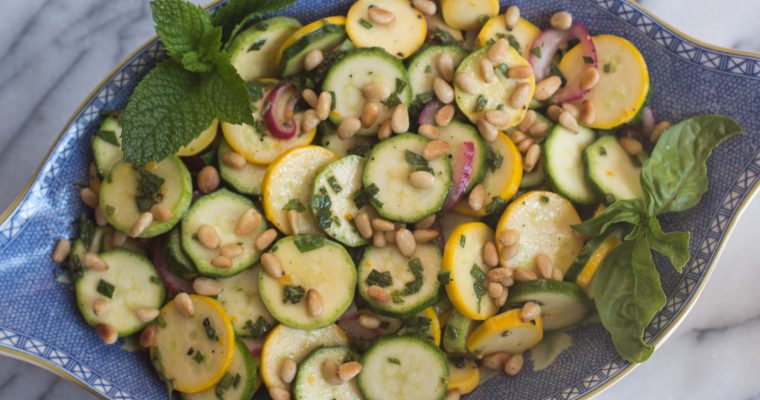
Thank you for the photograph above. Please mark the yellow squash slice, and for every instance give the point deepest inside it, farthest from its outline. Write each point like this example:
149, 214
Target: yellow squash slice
505, 332
520, 36
467, 14
402, 37
464, 375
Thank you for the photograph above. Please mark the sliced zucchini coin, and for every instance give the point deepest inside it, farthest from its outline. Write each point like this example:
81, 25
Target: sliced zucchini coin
106, 144
357, 69
404, 368
130, 283
520, 36
177, 260
401, 37
288, 186
332, 200
253, 50
285, 342
238, 382
455, 335
563, 163
310, 382
584, 267
324, 35
411, 282
464, 374
615, 174
423, 68
505, 332
386, 179
220, 210
533, 178
246, 180
242, 302
193, 353
563, 304
128, 192
355, 145
468, 15
309, 263
455, 134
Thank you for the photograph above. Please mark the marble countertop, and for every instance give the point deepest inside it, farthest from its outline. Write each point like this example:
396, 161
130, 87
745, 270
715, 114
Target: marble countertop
53, 52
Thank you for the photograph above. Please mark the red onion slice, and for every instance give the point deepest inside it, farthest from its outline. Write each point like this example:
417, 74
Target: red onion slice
427, 115
254, 345
174, 284
279, 110
647, 120
461, 172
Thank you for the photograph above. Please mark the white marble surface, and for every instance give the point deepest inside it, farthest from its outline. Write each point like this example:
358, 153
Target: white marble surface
50, 60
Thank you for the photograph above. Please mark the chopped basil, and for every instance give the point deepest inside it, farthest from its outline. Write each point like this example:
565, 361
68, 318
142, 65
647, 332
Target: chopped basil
199, 357
294, 204
307, 243
602, 151
503, 69
417, 326
108, 136
400, 85
160, 321
154, 280
392, 101
292, 294
479, 282
257, 329
423, 98
257, 45
223, 385
366, 24
109, 209
105, 288
514, 43
334, 184
394, 360
495, 205
148, 189
382, 279
236, 381
210, 331
416, 161
333, 97
536, 51
544, 199
480, 104
365, 196
462, 241
360, 150
483, 19
322, 206
444, 277
607, 68
588, 60
493, 159
396, 297
413, 286
428, 69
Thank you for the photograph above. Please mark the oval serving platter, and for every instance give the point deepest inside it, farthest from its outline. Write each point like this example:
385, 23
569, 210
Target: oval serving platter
40, 322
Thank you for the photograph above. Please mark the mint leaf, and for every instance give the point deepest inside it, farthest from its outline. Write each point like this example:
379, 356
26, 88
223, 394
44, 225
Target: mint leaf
237, 11
674, 245
226, 93
186, 31
629, 211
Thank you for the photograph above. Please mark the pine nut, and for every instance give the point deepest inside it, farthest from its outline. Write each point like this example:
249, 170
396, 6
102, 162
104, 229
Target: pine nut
147, 314
524, 275
100, 219
424, 235
309, 121
376, 91
500, 275
496, 360
477, 198
490, 255
61, 251
390, 237
142, 223
497, 117
444, 116
530, 311
487, 130
383, 225
278, 393
378, 239
498, 51
94, 262
509, 252
422, 179
589, 78
363, 225
495, 290
400, 119
466, 82
588, 112
428, 130
310, 97
380, 16
207, 286
520, 96
486, 70
118, 239
453, 394
553, 112
162, 213
630, 145
234, 160
514, 365
531, 157
434, 149
426, 223
512, 16
545, 265
384, 132
426, 7
445, 64
208, 179
528, 120
508, 237
271, 265
184, 304
443, 91
572, 109
349, 370
502, 299
330, 372
370, 112
517, 136
100, 307
520, 72
369, 321
348, 127
221, 262
89, 197
658, 130
523, 146
378, 294
313, 59
231, 250
547, 87
288, 370
557, 274
107, 333
568, 121
405, 242
148, 336
314, 303
248, 221
561, 20
208, 237
293, 217
539, 129
324, 102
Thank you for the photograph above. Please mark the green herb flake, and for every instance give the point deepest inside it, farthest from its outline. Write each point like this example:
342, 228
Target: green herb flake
360, 150
496, 205
462, 241
397, 297
236, 381
105, 288
480, 104
394, 360
416, 161
366, 24
334, 184
602, 151
544, 199
366, 195
588, 60
493, 159
307, 243
417, 326
514, 43
109, 136
295, 205
382, 279
536, 51
428, 69
400, 85
257, 45
257, 329
292, 294
148, 191
444, 277
479, 282
392, 101
257, 89
198, 357
503, 69
321, 204
210, 331
154, 280
160, 321
334, 100
109, 209
607, 68
423, 98
483, 19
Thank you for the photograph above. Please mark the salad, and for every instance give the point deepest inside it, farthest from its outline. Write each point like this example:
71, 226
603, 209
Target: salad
381, 205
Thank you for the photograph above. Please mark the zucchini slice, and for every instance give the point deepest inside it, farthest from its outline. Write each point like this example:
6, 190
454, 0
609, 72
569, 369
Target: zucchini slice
545, 222
402, 37
253, 50
563, 163
563, 304
106, 145
386, 177
193, 353
505, 332
310, 383
457, 133
584, 267
355, 145
464, 374
324, 35
247, 180
404, 368
521, 36
309, 262
284, 342
467, 15
242, 302
423, 69
220, 210
615, 174
177, 260
455, 335
288, 186
126, 189
413, 283
129, 283
533, 178
238, 382
354, 70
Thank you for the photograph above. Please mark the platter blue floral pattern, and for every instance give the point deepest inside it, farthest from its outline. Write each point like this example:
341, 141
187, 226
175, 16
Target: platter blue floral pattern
40, 322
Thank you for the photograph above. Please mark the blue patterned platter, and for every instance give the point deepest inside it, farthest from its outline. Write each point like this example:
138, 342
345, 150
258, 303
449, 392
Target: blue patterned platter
40, 322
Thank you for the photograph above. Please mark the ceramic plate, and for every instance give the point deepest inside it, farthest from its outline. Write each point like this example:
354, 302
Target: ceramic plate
40, 322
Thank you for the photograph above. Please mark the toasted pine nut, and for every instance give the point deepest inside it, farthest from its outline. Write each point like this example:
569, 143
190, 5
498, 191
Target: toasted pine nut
94, 262
314, 303
208, 237
313, 59
486, 70
378, 294
517, 136
514, 365
445, 64
148, 336
107, 333
368, 321
363, 225
271, 265
630, 145
100, 307
572, 109
539, 129
422, 179
309, 121
496, 360
508, 237
528, 120
383, 225
426, 7
330, 372
589, 78
293, 217
426, 223
568, 121
520, 72
444, 116
545, 265
324, 102
561, 20
288, 370
531, 157
658, 130
142, 223
370, 112
490, 255
376, 91
247, 222
424, 235
520, 96
509, 252
147, 314
349, 370
221, 262
466, 82
89, 197
405, 242
310, 97
231, 250
487, 130
208, 179
477, 198
547, 87
184, 304
378, 239
553, 112
530, 311
512, 16
587, 114
384, 131
400, 119
278, 393
265, 239
495, 290
443, 91
428, 130
380, 16
523, 146
61, 251
500, 275
162, 213
524, 275
118, 239
390, 237
557, 274
453, 394
233, 160
497, 117
498, 51
207, 286
348, 127
502, 299
434, 149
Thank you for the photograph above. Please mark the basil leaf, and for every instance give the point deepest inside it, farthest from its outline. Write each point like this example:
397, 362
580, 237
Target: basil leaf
627, 293
629, 211
675, 177
674, 245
